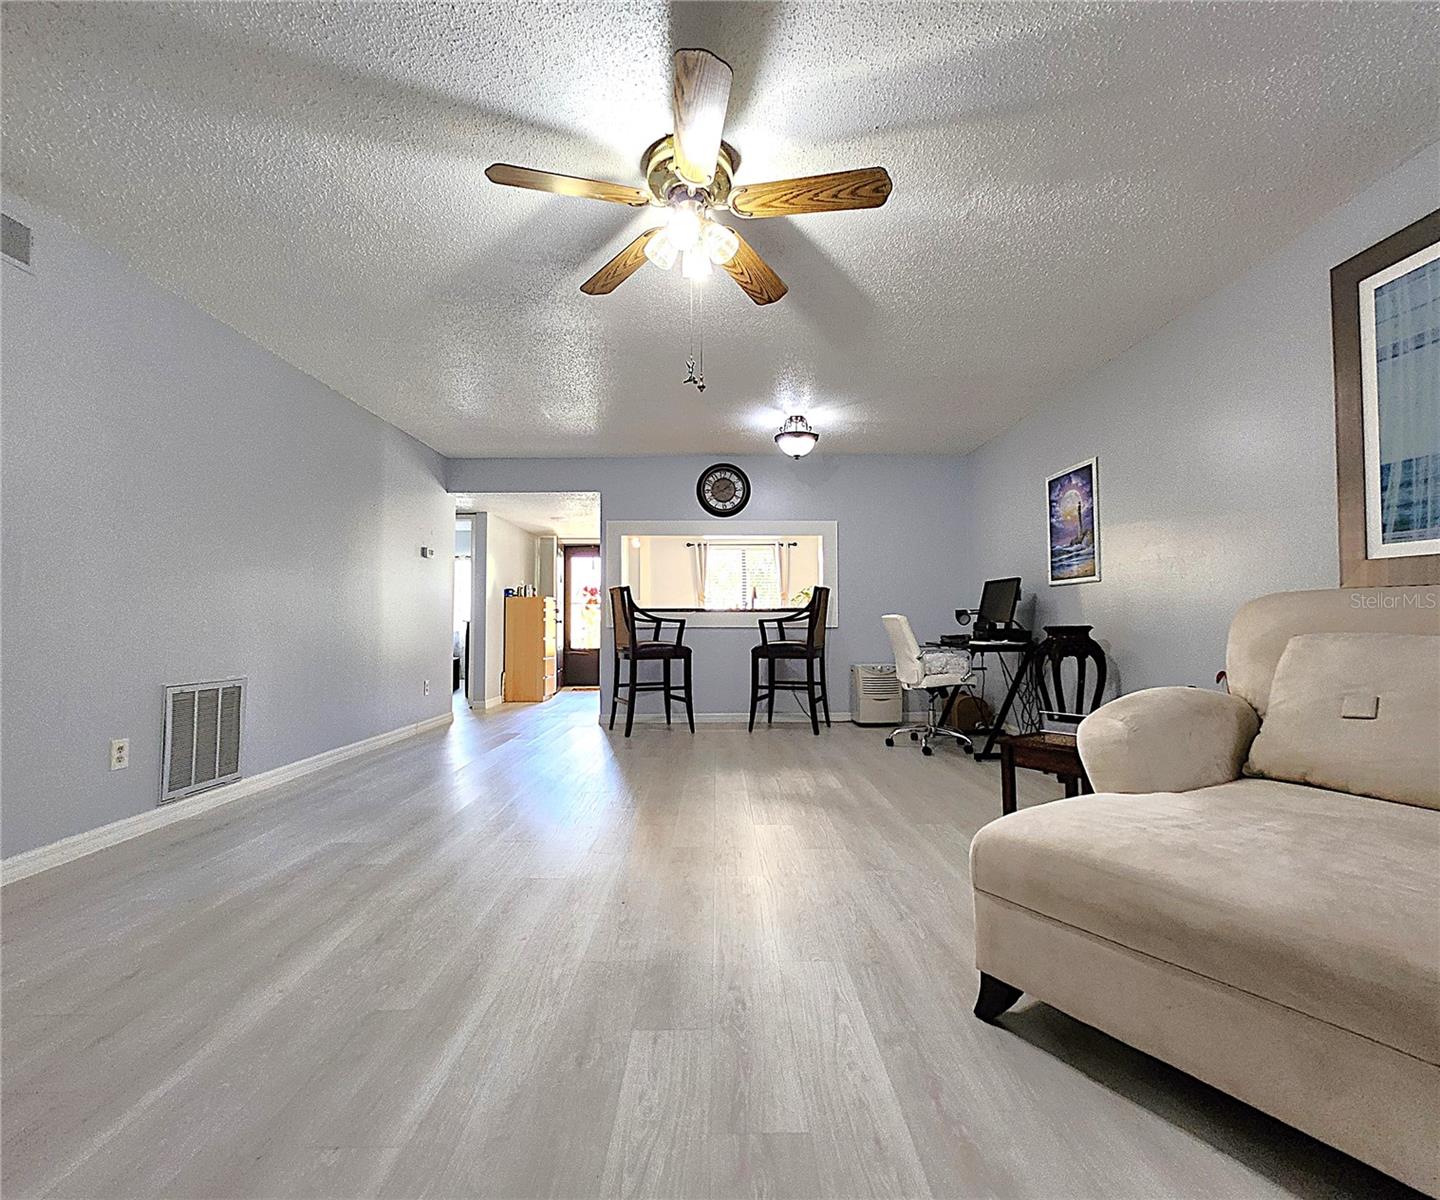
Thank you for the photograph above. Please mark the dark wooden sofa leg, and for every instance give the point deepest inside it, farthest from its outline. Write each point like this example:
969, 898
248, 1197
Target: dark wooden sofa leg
995, 997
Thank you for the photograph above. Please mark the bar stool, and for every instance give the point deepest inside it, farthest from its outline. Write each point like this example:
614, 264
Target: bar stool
635, 650
808, 647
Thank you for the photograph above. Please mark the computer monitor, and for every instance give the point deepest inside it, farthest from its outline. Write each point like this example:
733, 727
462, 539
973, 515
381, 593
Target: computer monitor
997, 602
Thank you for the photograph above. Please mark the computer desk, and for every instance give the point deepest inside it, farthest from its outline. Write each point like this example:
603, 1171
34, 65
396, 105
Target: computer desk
1019, 687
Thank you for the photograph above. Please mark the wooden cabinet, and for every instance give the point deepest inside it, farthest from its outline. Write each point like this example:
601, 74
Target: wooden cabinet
529, 648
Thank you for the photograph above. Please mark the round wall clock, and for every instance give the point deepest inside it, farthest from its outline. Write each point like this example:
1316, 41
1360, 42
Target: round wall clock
723, 490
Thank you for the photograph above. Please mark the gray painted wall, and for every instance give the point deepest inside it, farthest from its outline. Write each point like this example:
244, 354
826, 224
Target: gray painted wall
179, 504
1216, 440
899, 543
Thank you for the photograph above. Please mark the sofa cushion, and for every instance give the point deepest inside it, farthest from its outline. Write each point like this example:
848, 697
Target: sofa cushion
1323, 902
1356, 712
1263, 628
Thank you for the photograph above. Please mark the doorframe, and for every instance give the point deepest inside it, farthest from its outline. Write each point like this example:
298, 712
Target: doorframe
475, 667
590, 548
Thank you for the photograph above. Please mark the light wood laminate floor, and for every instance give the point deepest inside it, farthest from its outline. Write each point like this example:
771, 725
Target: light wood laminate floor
522, 957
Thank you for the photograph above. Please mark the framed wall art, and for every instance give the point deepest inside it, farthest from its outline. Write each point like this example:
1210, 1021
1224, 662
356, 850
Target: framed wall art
1073, 523
1385, 312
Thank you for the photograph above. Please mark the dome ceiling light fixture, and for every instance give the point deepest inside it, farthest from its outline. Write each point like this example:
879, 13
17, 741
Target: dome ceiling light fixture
796, 438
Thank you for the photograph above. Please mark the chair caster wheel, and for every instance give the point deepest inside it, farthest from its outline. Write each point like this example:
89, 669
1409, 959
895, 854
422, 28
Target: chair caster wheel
927, 751
914, 737
890, 742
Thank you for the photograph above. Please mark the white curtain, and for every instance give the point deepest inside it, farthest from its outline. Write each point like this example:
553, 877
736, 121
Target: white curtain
701, 563
782, 566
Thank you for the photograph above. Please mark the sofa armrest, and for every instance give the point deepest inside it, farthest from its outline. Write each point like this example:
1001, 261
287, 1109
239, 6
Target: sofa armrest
1169, 739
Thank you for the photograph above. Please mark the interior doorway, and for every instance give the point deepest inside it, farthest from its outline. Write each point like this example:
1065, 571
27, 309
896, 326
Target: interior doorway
581, 654
517, 549
463, 606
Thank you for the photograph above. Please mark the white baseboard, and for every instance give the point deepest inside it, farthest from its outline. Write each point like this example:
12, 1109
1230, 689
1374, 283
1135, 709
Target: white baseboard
42, 858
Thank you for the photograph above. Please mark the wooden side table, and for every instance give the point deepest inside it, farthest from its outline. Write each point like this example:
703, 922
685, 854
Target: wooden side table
1053, 753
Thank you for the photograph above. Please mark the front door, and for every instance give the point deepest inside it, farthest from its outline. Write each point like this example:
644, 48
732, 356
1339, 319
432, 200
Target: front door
582, 616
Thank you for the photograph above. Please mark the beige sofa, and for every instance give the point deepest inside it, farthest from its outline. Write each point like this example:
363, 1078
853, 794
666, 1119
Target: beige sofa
1227, 901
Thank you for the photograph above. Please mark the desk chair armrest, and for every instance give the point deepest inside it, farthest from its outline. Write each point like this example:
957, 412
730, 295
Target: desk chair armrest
678, 622
1168, 739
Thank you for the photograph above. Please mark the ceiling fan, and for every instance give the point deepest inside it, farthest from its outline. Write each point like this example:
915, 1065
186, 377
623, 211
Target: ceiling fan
690, 174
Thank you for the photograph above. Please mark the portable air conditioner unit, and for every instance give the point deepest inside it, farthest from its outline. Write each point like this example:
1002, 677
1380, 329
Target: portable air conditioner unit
875, 695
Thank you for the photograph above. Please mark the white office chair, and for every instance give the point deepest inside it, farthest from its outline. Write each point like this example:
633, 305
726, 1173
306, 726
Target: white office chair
916, 674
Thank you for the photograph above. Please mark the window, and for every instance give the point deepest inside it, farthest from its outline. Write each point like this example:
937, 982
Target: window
741, 577
717, 573
464, 541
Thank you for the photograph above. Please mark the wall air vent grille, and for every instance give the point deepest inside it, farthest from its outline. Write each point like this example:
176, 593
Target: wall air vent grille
16, 241
203, 722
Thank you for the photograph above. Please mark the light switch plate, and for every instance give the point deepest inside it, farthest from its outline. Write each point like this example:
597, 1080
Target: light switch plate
1359, 707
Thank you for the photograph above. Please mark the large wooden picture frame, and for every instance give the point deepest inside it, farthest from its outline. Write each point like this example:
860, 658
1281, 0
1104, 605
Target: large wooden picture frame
1372, 554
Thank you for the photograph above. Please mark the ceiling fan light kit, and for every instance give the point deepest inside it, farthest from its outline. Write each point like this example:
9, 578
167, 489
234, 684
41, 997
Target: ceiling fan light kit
795, 437
690, 173
694, 264
687, 218
661, 251
720, 243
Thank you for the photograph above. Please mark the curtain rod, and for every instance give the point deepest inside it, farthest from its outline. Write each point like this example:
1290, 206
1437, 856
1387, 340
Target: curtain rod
790, 544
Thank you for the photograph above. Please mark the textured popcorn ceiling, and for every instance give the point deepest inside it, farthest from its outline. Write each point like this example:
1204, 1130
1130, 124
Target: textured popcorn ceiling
1067, 179
573, 515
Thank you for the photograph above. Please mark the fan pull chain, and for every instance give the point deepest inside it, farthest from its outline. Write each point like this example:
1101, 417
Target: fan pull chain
695, 360
690, 357
700, 305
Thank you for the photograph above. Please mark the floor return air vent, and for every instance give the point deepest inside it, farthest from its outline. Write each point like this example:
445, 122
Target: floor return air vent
202, 736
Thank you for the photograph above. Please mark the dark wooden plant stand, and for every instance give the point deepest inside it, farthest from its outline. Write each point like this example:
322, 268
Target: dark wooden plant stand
1055, 753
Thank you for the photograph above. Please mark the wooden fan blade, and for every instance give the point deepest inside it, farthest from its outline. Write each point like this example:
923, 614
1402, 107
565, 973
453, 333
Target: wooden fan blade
869, 187
753, 274
702, 94
620, 268
565, 185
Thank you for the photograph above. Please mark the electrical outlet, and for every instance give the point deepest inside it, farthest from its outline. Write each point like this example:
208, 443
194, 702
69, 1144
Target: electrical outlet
119, 754
427, 687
